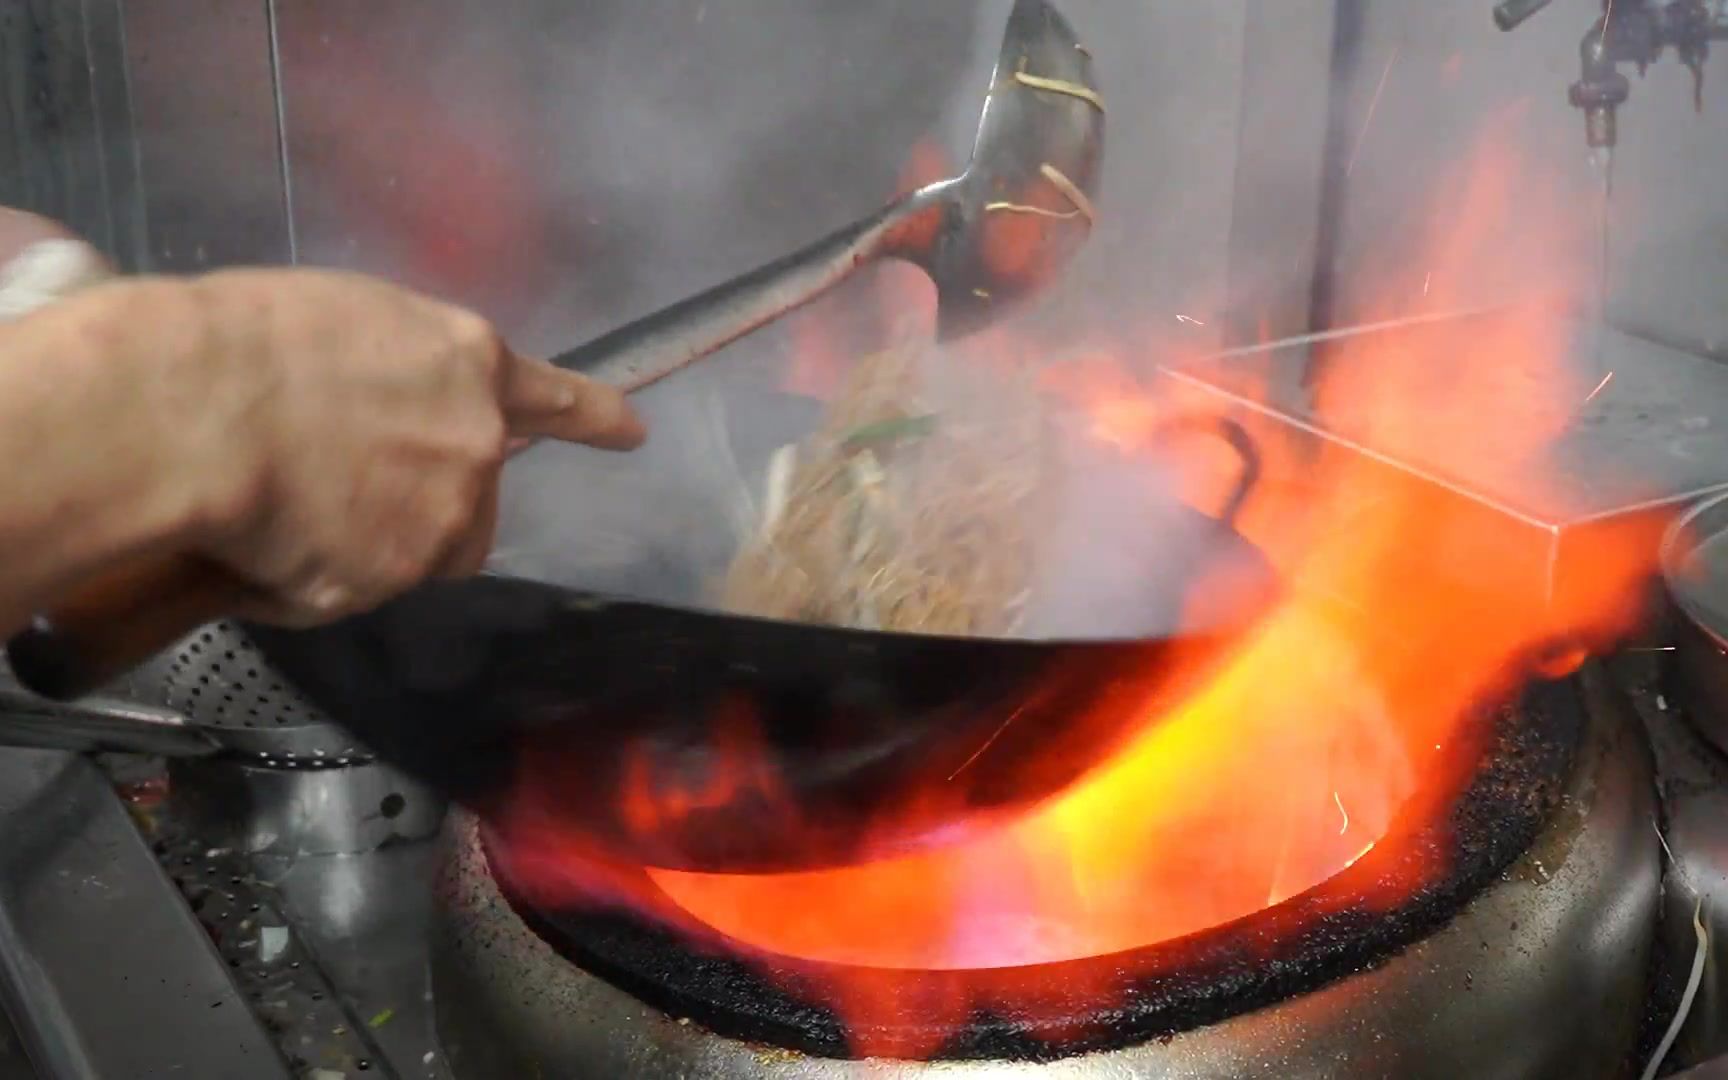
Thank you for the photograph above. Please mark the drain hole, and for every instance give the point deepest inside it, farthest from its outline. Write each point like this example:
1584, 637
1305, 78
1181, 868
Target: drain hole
393, 805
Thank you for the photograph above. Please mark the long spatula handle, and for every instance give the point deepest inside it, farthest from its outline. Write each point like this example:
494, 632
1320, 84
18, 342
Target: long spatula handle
654, 346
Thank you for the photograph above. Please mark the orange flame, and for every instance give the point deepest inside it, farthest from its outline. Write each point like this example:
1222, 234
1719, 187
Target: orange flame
1408, 605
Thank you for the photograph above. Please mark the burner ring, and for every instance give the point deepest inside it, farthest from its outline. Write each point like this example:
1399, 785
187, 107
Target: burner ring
497, 976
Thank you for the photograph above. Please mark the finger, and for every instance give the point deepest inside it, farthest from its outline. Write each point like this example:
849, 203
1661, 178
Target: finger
278, 611
544, 401
469, 552
295, 609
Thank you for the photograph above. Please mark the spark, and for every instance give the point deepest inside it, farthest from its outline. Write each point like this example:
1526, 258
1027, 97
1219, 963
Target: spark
1427, 280
1607, 14
1344, 828
1654, 648
1373, 104
1663, 840
1189, 319
1599, 387
988, 743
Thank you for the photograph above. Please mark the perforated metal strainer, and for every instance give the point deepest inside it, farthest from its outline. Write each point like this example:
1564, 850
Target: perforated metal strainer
219, 681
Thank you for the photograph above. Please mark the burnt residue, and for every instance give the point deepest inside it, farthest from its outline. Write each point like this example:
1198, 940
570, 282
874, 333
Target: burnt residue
1516, 761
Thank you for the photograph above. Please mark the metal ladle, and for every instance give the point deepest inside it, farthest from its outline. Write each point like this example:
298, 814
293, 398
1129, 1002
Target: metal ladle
988, 238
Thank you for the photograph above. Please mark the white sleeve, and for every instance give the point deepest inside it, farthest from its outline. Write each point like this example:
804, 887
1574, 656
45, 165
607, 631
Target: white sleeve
46, 271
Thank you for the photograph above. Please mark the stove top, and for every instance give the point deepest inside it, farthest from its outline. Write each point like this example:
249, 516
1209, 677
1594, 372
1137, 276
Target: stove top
1291, 993
1449, 849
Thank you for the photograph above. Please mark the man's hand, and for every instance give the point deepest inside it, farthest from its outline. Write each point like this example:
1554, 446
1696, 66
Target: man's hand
329, 437
358, 434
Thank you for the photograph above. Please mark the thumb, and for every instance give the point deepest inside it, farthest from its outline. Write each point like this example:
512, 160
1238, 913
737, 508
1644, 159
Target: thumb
543, 401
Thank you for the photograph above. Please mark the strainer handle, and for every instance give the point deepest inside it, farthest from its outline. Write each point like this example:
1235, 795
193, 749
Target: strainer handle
117, 621
97, 724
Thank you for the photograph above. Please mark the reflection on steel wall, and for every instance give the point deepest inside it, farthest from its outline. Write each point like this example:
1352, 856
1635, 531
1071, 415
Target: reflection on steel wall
151, 128
66, 146
205, 105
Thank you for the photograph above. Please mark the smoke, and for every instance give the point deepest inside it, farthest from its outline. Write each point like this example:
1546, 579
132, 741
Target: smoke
565, 168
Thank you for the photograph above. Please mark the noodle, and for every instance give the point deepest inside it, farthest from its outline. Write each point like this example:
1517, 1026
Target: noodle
903, 512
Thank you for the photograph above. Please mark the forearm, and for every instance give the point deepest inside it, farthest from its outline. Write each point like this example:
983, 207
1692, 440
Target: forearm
97, 441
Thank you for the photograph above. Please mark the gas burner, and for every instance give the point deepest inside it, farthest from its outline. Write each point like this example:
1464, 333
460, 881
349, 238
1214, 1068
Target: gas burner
1541, 853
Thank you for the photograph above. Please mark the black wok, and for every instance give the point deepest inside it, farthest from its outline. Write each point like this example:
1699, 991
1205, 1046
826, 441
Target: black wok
694, 739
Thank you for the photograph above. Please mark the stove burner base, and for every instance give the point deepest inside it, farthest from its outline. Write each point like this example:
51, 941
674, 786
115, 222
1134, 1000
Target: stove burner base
1541, 974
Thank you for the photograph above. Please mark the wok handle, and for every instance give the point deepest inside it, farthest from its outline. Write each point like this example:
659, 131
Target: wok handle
118, 620
1233, 433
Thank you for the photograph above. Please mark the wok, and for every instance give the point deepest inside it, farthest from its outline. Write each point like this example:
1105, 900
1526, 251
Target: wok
697, 739
674, 736
1695, 572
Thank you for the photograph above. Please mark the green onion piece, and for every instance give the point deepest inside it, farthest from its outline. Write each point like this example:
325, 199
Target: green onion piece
904, 427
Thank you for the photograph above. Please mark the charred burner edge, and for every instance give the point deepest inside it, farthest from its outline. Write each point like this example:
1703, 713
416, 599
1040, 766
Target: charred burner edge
1521, 757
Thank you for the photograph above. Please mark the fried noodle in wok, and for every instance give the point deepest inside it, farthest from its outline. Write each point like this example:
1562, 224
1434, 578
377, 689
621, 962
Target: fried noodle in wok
910, 509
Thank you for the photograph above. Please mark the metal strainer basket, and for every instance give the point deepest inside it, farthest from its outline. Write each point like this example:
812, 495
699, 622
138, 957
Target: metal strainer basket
218, 680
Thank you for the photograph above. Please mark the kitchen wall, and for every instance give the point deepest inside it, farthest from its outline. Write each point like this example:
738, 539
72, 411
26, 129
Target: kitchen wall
65, 124
1426, 80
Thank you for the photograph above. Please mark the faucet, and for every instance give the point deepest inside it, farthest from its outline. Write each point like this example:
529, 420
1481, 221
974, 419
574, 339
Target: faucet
1633, 32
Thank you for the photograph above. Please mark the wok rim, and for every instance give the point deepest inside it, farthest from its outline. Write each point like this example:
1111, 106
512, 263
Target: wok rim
580, 597
1682, 540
